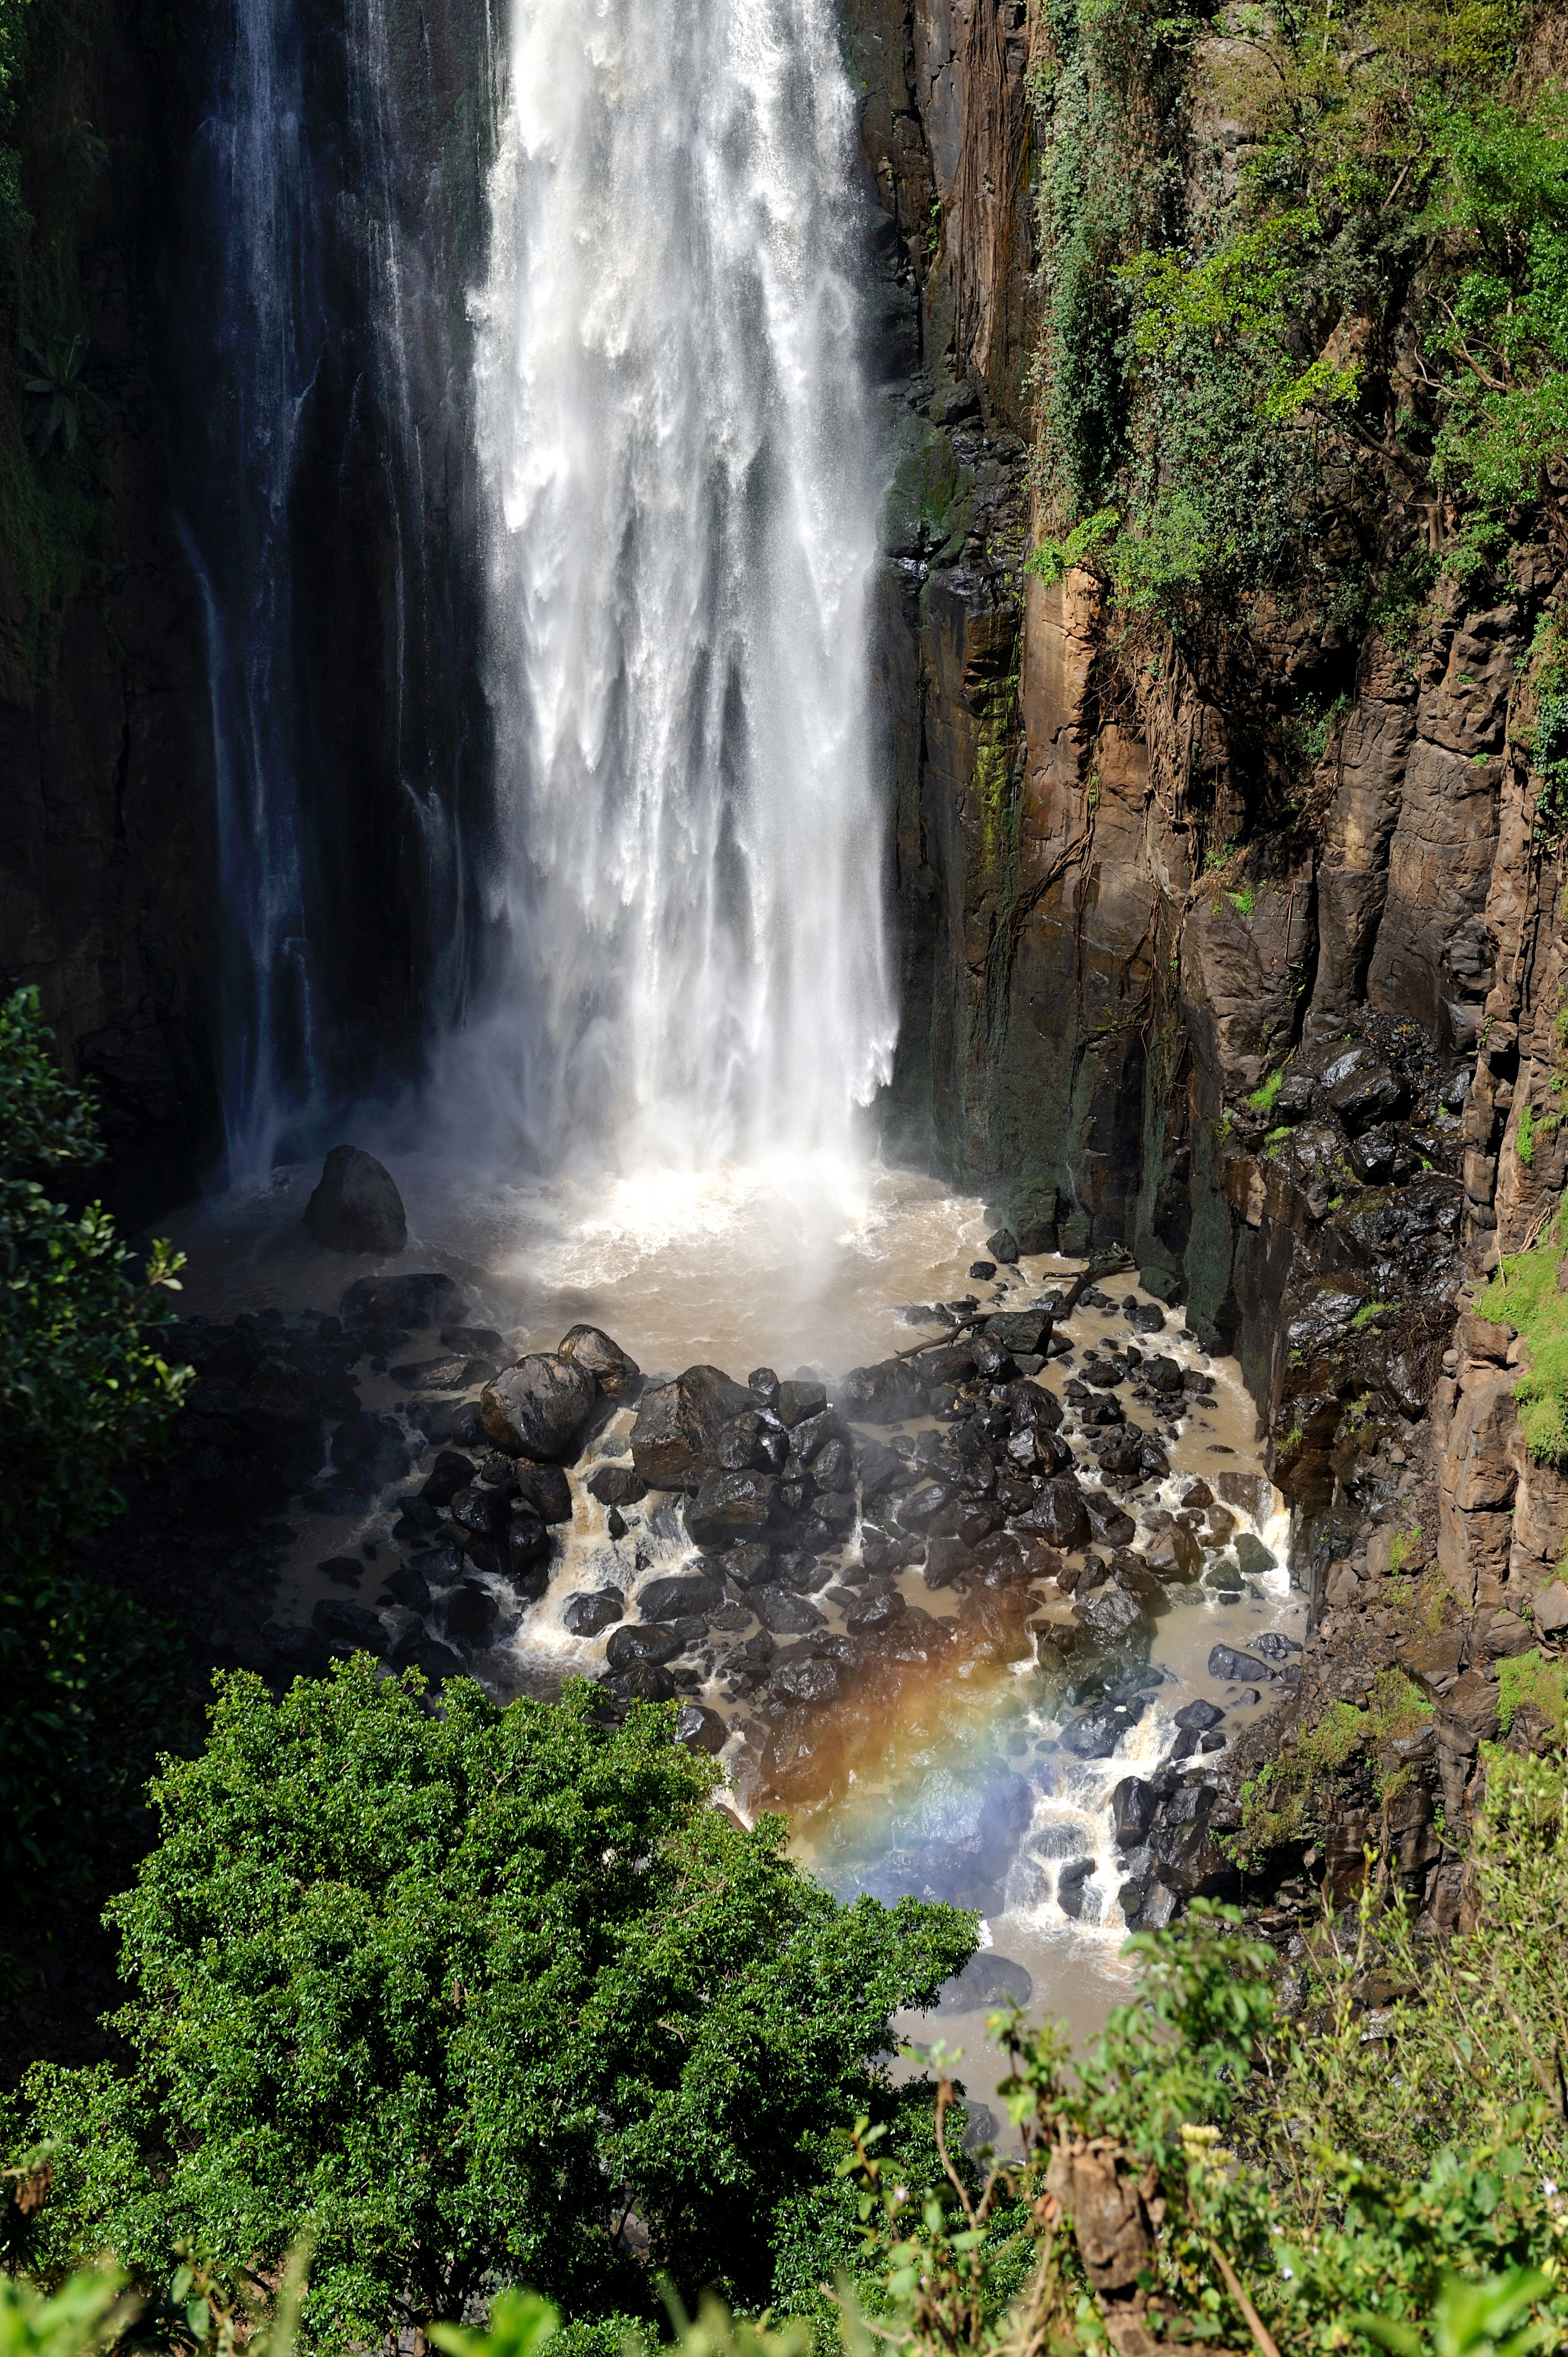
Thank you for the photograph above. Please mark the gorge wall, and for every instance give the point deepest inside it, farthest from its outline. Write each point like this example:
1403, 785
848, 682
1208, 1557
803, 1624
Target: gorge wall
178, 643
1236, 939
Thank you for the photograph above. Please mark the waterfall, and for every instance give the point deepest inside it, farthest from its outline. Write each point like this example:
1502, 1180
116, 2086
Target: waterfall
262, 323
335, 209
679, 484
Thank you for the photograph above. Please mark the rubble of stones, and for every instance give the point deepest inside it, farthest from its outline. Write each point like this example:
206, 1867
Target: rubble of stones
1358, 1158
798, 1519
1411, 1801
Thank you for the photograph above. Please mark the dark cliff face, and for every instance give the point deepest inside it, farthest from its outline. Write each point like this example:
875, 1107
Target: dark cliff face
107, 850
1258, 997
143, 734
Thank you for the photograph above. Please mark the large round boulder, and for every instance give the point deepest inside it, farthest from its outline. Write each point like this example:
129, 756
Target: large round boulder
539, 1408
355, 1207
590, 1347
1058, 1515
730, 1507
678, 1427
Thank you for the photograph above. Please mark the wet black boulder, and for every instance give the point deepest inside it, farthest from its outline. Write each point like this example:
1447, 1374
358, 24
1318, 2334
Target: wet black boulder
470, 1614
678, 1425
541, 1408
729, 1506
615, 1372
617, 1485
1197, 1718
631, 1646
782, 1612
588, 1614
420, 1299
810, 1678
699, 1728
353, 1625
678, 1596
1070, 1882
1058, 1515
1132, 1805
1112, 1616
1225, 1662
418, 1650
452, 1471
355, 1207
546, 1488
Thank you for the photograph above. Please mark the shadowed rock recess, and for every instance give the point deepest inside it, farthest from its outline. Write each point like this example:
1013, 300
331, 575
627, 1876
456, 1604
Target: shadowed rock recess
1227, 900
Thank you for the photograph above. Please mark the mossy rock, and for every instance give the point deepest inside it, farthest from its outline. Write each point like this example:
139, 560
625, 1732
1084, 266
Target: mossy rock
922, 510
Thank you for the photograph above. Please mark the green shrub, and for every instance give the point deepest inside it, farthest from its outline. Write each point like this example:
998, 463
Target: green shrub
1523, 1293
84, 1394
1225, 2166
1528, 1681
461, 1996
1288, 1799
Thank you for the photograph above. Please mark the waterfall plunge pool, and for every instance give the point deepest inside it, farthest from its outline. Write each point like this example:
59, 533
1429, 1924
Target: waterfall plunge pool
944, 1775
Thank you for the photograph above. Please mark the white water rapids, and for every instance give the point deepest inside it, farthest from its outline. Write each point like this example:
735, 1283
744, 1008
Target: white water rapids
682, 486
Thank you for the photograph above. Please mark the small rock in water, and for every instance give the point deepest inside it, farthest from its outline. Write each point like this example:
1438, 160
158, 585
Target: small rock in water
343, 1568
984, 1270
615, 1524
988, 1979
1197, 1718
587, 1614
1002, 1246
355, 1207
617, 1485
764, 1383
1071, 1887
1224, 1662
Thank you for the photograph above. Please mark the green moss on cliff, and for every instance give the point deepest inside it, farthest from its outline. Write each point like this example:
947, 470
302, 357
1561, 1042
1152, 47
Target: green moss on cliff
1227, 376
1524, 1293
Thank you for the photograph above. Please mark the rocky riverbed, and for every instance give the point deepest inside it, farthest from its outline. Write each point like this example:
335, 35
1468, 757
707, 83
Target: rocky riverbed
982, 1614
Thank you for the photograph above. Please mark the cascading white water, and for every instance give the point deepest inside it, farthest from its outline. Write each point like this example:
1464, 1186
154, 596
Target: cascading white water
682, 485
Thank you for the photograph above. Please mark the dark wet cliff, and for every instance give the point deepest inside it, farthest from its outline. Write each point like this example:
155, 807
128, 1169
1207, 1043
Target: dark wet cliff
1228, 926
1227, 854
183, 646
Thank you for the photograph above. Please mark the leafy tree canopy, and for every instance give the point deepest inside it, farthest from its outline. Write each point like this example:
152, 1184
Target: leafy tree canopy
83, 1392
493, 1996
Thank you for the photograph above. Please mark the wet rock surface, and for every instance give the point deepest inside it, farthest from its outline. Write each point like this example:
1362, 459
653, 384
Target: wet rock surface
809, 1558
357, 1208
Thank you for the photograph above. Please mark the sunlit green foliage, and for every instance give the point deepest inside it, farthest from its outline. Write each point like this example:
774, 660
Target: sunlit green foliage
84, 1392
1389, 275
491, 1995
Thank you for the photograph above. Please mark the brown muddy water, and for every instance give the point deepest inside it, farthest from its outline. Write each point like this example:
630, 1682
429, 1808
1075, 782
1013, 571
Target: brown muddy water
946, 1783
